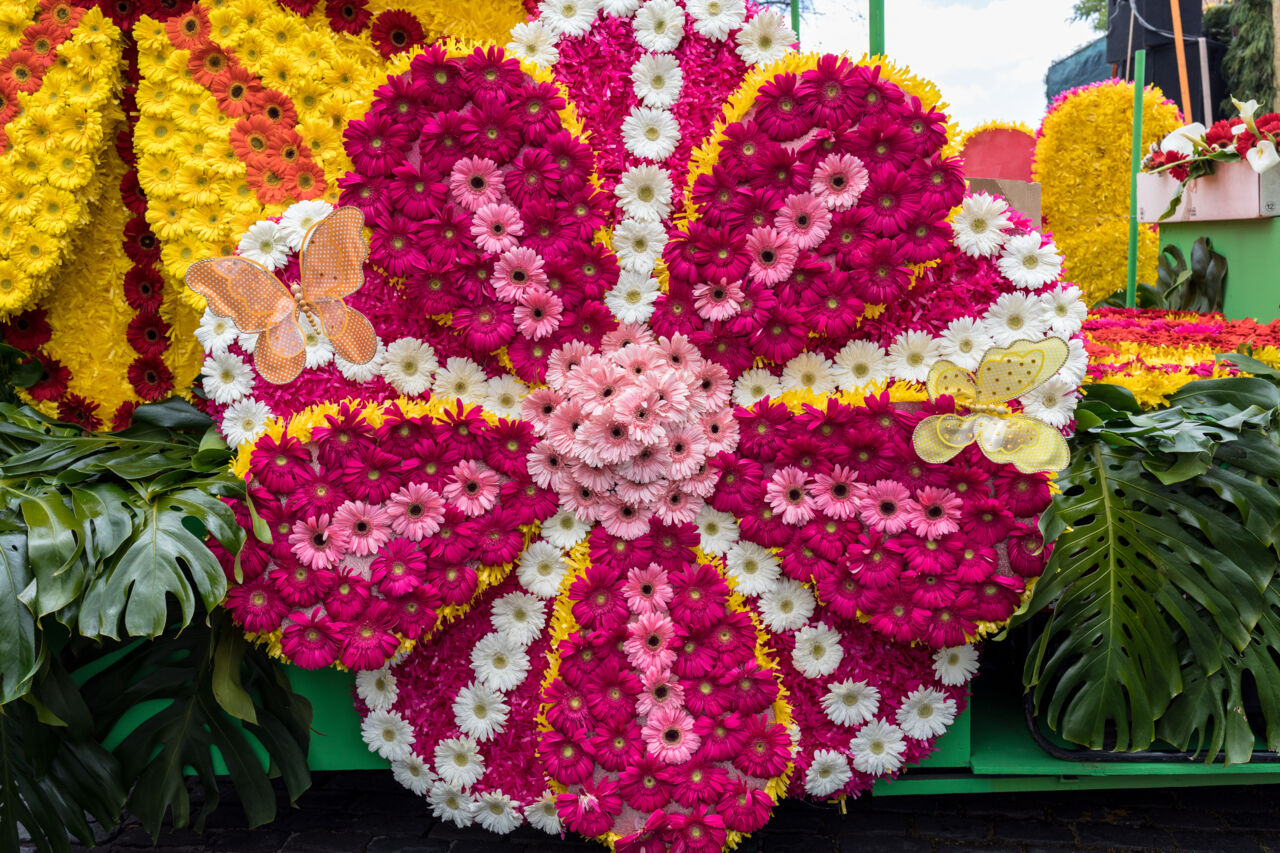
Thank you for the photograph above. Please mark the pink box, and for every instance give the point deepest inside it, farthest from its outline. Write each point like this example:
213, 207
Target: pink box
1233, 191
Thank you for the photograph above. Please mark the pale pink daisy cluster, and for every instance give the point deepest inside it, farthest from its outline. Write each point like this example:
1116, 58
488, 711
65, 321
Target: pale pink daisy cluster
626, 432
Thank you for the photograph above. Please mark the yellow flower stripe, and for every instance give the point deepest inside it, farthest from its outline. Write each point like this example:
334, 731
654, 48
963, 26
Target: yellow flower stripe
15, 15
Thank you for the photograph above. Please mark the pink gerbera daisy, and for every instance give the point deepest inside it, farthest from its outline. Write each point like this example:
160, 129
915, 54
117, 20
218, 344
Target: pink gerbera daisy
678, 506
804, 219
496, 226
833, 493
626, 519
839, 181
317, 543
649, 641
661, 690
472, 487
668, 735
538, 313
787, 496
886, 506
310, 641
518, 271
475, 182
415, 511
718, 301
399, 568
766, 750
257, 606
773, 255
366, 527
592, 810
369, 642
647, 590
936, 512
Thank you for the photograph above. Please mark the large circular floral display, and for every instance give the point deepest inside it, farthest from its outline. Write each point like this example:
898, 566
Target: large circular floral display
674, 558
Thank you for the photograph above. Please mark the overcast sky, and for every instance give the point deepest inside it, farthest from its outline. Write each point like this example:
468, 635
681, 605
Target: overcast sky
987, 56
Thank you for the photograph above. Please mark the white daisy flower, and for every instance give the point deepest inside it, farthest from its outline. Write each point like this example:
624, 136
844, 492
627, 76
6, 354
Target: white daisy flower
980, 225
644, 192
766, 38
449, 803
377, 688
413, 773
502, 396
964, 342
648, 133
877, 748
718, 530
1028, 264
1074, 371
1054, 402
659, 25
657, 78
215, 333
754, 385
459, 762
226, 378
319, 350
817, 651
496, 812
361, 373
388, 734
408, 365
520, 617
564, 530
810, 371
499, 662
631, 299
543, 814
619, 8
542, 566
715, 19
911, 355
926, 713
639, 244
301, 217
1065, 310
480, 711
534, 41
244, 421
265, 244
248, 341
787, 606
568, 17
1015, 317
828, 772
754, 570
860, 363
956, 665
462, 378
850, 703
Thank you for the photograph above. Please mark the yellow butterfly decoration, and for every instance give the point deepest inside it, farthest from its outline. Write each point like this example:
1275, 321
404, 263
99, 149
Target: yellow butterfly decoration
1003, 436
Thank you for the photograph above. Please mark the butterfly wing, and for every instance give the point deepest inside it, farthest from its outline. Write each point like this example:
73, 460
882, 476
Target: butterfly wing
281, 351
245, 291
349, 331
1009, 372
1029, 445
938, 438
333, 256
951, 380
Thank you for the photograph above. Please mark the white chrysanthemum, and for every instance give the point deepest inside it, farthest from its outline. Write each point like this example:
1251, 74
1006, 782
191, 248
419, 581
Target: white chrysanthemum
248, 341
754, 570
388, 734
715, 19
215, 333
648, 133
644, 192
754, 385
542, 566
544, 815
1054, 402
659, 25
377, 688
408, 365
534, 42
449, 803
912, 354
362, 373
564, 530
1028, 264
244, 421
502, 396
809, 371
657, 78
828, 772
496, 812
980, 225
766, 38
631, 299
459, 762
413, 773
964, 342
301, 217
568, 17
956, 665
926, 713
877, 748
1015, 317
817, 651
850, 703
499, 662
319, 350
480, 711
265, 244
462, 378
639, 244
520, 616
859, 363
718, 530
226, 378
787, 606
1077, 364
1065, 310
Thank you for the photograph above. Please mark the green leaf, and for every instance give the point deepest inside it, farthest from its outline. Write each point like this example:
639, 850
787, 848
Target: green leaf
21, 652
228, 656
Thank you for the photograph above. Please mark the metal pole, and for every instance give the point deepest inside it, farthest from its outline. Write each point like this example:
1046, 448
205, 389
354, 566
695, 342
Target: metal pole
795, 19
1139, 84
876, 19
1180, 49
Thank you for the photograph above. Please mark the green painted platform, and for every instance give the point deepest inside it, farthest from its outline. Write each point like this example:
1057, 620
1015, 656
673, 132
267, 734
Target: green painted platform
1252, 250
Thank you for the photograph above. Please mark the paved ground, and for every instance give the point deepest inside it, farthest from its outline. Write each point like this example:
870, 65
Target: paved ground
367, 812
